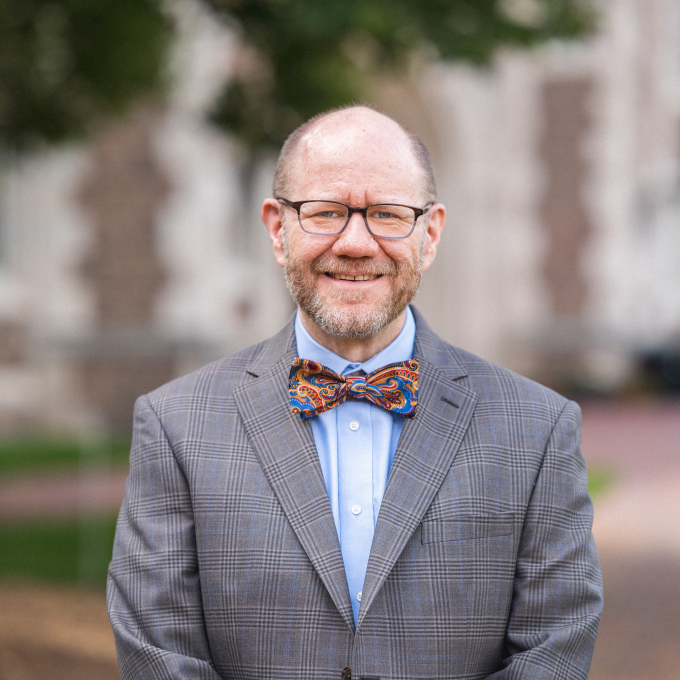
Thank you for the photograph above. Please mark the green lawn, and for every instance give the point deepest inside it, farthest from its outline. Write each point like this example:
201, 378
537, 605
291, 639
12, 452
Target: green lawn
66, 551
22, 455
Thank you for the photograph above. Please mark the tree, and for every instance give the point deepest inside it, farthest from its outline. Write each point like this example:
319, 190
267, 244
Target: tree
302, 57
67, 63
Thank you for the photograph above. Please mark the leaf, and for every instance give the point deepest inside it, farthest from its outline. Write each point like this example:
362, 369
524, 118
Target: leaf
66, 63
320, 55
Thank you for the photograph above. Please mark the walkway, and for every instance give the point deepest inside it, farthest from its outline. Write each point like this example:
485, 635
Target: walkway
637, 531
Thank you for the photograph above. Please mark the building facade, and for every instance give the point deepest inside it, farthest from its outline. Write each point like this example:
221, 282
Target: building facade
140, 256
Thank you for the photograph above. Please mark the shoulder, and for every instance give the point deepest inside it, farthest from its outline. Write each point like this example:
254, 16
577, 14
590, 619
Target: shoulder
493, 383
497, 389
516, 413
215, 382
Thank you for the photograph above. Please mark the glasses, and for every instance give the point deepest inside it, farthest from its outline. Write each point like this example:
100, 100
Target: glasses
383, 220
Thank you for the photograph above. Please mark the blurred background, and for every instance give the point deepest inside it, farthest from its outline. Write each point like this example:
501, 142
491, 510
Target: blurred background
137, 141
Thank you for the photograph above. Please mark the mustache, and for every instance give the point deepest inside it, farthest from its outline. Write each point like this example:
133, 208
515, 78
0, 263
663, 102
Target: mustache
369, 267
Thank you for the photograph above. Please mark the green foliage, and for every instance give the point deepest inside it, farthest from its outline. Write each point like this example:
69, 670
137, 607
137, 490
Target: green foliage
64, 63
66, 551
43, 454
302, 57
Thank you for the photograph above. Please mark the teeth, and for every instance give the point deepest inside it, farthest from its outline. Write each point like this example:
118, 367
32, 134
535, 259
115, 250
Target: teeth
353, 278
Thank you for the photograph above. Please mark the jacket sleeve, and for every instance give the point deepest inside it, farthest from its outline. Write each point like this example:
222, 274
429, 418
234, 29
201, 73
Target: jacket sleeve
153, 592
557, 599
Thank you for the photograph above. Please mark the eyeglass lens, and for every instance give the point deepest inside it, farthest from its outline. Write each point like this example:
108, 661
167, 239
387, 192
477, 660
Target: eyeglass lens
321, 217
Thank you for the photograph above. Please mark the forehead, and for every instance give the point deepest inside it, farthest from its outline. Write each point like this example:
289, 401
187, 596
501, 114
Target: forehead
356, 158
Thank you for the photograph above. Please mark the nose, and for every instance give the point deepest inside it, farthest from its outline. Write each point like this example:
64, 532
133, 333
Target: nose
356, 240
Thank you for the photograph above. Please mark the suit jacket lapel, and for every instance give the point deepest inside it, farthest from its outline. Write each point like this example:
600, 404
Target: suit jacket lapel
424, 455
285, 448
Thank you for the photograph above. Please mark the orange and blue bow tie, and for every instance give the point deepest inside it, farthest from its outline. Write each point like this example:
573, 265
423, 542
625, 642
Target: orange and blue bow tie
314, 388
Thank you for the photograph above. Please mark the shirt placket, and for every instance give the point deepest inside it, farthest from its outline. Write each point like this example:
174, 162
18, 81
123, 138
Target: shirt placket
355, 479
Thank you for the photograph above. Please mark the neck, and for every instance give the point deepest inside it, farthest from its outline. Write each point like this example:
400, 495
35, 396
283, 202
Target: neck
356, 350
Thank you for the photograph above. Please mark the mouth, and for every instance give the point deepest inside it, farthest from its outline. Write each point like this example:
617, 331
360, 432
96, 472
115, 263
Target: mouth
347, 277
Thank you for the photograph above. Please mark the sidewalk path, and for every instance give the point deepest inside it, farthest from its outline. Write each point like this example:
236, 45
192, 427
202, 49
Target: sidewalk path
640, 445
60, 633
636, 439
637, 531
61, 494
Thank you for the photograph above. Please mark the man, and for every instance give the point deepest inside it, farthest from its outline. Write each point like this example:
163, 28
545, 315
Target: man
355, 498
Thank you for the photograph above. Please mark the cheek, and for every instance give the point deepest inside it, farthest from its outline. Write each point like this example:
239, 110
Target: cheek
302, 253
404, 254
303, 247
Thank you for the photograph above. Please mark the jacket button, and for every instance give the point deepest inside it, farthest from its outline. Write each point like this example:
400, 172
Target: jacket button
346, 674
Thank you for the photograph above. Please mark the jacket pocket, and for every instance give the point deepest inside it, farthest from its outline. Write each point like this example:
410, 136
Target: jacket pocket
468, 527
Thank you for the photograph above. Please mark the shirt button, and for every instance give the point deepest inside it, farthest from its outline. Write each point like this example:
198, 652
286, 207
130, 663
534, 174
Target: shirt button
359, 597
354, 425
356, 509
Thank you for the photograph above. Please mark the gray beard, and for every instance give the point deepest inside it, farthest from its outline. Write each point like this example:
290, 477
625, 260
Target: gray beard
356, 323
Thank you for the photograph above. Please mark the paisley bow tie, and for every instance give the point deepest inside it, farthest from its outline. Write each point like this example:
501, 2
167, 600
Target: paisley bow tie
314, 388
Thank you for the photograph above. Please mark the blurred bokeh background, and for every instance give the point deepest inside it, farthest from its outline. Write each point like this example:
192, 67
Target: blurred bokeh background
137, 140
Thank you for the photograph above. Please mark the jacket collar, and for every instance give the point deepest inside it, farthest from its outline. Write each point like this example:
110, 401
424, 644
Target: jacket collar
428, 346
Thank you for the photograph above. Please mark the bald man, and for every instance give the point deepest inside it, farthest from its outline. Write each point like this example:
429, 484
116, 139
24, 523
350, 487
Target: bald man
354, 497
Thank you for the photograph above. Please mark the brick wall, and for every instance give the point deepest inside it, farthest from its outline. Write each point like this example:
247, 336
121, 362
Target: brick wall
122, 194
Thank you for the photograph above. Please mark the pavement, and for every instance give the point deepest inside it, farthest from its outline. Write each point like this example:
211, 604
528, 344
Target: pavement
640, 445
62, 494
636, 528
637, 532
55, 632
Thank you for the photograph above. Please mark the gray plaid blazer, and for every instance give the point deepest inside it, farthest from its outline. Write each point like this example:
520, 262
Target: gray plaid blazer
227, 564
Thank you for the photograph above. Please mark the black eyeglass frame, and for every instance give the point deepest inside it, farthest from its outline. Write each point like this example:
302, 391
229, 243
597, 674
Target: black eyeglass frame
296, 205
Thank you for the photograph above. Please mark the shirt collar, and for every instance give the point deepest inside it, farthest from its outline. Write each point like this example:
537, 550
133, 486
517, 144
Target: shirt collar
400, 349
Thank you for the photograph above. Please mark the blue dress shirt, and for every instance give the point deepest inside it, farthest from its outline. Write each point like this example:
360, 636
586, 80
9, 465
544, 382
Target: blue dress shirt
356, 442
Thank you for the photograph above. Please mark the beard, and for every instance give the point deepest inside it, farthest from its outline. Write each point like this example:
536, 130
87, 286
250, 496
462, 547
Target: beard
364, 319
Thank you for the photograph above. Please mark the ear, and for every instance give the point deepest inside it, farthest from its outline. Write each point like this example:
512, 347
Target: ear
271, 216
435, 225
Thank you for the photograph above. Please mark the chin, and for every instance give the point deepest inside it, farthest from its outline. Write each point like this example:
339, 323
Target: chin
351, 323
351, 319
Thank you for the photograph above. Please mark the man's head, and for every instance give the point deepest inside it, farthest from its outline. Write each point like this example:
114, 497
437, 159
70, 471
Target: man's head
287, 156
358, 157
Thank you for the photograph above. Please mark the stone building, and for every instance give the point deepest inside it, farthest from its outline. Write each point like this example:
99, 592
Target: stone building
139, 256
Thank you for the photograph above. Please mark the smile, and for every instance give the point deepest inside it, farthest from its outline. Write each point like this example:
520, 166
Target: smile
345, 277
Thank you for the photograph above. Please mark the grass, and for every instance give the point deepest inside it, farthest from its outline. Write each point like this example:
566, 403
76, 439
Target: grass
68, 551
35, 453
599, 480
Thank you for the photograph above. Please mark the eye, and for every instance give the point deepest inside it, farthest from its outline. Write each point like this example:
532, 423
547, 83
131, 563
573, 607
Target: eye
319, 211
